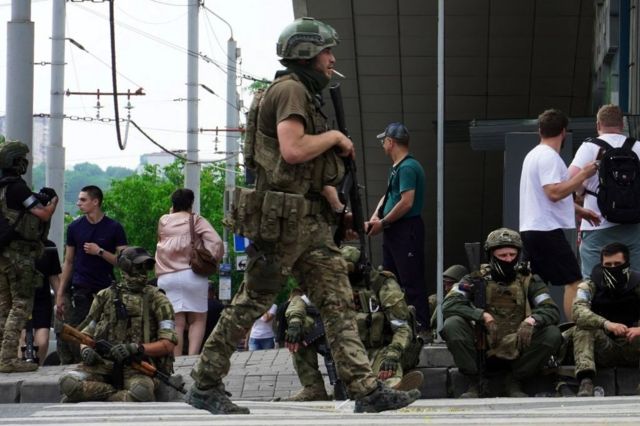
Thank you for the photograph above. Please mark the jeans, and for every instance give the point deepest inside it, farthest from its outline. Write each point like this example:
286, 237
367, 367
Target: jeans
259, 344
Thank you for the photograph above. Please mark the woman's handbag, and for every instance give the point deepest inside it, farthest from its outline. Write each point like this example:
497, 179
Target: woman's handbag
202, 261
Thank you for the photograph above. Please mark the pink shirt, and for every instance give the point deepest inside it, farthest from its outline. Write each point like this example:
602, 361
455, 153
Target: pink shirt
174, 241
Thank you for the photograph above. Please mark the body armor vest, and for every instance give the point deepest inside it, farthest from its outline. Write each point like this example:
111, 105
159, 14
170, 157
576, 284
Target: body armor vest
275, 174
29, 228
139, 326
621, 307
372, 325
507, 304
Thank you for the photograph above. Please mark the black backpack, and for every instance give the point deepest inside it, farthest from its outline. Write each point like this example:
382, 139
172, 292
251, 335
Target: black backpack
619, 182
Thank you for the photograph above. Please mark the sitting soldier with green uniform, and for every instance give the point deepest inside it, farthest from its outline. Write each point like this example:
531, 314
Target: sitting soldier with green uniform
386, 328
138, 321
513, 312
606, 311
450, 276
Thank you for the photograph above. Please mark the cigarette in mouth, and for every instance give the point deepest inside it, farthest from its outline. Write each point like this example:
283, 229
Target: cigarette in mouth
339, 74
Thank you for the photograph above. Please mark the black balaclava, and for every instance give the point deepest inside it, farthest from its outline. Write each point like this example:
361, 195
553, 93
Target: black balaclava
314, 80
503, 271
616, 277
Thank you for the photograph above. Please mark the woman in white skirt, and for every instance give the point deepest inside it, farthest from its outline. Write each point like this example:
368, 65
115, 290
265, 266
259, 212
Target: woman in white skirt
186, 290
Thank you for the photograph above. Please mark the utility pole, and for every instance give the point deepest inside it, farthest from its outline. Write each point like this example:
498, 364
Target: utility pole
54, 167
192, 171
232, 145
19, 101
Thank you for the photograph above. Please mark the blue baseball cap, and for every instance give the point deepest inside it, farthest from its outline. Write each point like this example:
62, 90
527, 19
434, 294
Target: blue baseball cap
396, 131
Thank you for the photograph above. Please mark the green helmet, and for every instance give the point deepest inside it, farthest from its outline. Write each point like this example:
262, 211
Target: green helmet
304, 38
351, 254
135, 261
503, 237
10, 154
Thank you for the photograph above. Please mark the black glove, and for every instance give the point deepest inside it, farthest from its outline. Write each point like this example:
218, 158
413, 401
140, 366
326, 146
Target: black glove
390, 360
49, 192
89, 356
525, 331
126, 352
294, 333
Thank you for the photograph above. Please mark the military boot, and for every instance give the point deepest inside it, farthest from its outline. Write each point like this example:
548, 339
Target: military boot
17, 366
513, 387
411, 380
315, 392
586, 387
215, 400
476, 388
384, 398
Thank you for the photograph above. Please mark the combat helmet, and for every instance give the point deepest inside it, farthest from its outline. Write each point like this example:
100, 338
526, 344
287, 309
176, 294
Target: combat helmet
304, 38
13, 156
503, 237
135, 261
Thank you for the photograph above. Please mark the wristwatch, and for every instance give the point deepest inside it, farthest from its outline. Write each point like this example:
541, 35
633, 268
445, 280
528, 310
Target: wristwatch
384, 223
100, 252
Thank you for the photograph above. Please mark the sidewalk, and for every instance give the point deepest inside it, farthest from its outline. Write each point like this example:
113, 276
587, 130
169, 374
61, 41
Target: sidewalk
268, 374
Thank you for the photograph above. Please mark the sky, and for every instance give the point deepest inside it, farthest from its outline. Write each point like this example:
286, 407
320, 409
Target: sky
151, 43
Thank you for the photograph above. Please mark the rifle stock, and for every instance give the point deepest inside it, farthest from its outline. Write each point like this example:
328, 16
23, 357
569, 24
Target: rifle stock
103, 348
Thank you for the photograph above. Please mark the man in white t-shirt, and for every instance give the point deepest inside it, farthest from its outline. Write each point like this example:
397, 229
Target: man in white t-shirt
261, 335
609, 123
546, 207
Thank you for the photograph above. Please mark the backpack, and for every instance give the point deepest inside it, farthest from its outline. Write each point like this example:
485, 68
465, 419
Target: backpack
251, 129
619, 182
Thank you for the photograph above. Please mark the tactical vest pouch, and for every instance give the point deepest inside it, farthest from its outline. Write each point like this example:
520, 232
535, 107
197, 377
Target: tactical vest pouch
294, 209
371, 329
244, 218
295, 178
272, 207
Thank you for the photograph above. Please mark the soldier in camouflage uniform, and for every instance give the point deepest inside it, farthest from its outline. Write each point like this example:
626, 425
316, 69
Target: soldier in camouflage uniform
138, 320
28, 214
519, 317
450, 276
385, 324
606, 311
297, 164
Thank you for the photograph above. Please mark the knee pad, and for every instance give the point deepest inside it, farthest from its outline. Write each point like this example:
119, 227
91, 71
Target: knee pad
141, 393
70, 385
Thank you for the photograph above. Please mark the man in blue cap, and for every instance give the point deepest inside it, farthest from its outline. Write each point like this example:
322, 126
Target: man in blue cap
398, 217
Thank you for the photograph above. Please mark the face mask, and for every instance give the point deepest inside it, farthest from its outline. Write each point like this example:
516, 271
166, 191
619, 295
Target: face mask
616, 277
503, 271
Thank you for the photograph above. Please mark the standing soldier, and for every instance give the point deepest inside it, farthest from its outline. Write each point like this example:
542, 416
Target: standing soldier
287, 216
138, 320
516, 314
606, 311
24, 224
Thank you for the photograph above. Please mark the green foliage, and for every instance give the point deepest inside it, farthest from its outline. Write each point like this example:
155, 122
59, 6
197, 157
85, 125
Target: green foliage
79, 176
259, 85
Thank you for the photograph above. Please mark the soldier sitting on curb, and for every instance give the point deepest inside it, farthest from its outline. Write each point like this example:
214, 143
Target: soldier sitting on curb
138, 320
385, 323
606, 311
513, 312
450, 276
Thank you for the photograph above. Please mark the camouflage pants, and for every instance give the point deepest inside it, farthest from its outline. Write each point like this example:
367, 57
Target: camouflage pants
95, 385
315, 261
460, 338
595, 347
17, 278
305, 362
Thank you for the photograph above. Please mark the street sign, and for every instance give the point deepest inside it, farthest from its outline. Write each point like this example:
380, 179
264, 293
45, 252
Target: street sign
240, 243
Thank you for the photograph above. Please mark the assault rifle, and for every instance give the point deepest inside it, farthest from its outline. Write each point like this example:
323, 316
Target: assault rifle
103, 348
318, 334
478, 288
349, 191
29, 350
